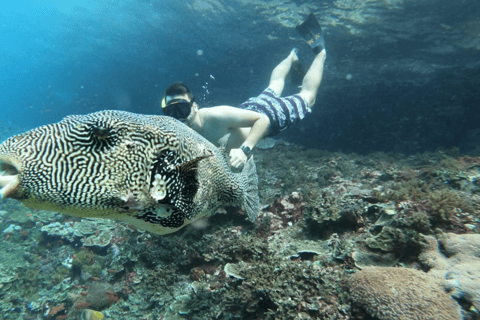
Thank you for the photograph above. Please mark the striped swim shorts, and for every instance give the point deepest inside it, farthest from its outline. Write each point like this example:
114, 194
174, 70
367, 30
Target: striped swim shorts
282, 112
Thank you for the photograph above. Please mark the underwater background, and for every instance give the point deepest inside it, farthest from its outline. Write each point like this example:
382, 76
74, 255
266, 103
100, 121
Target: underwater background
382, 177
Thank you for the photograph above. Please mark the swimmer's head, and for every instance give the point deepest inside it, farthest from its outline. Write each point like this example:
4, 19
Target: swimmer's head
177, 101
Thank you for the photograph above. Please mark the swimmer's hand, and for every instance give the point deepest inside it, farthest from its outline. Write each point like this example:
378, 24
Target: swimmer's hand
237, 158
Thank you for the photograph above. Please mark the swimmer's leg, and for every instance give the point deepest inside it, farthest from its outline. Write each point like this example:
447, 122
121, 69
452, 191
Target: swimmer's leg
313, 78
277, 79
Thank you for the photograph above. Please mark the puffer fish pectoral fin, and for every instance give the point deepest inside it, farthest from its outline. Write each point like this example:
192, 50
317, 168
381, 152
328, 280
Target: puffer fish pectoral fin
249, 180
176, 185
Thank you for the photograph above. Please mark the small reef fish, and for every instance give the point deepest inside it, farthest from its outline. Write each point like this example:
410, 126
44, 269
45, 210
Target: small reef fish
150, 171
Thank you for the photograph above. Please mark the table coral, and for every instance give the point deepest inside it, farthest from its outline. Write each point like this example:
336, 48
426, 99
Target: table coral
401, 293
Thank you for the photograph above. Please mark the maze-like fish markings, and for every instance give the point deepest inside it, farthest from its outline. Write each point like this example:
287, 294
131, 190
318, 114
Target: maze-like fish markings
147, 170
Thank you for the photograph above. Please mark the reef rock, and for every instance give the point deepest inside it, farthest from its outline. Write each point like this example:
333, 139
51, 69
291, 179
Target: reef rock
457, 266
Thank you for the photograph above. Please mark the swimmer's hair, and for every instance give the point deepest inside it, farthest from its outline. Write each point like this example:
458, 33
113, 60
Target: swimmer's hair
178, 88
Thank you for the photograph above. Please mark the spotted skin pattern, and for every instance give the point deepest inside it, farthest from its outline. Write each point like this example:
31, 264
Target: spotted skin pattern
151, 171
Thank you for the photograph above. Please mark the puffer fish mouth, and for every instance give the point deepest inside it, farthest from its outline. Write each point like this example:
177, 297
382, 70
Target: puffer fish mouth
9, 178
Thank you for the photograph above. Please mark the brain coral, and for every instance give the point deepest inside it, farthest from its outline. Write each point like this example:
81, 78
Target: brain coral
401, 293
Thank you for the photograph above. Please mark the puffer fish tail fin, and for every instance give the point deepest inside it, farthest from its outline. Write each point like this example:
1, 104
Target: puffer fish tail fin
222, 146
249, 179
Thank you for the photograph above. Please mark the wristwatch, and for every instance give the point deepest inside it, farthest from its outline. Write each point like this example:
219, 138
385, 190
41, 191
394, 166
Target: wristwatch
246, 150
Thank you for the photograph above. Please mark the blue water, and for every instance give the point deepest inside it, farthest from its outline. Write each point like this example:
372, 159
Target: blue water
400, 76
63, 57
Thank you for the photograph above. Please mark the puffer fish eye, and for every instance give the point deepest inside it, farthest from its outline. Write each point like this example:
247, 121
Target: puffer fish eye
101, 132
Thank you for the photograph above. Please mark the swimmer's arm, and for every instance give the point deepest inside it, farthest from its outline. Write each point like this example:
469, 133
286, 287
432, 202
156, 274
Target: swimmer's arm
232, 118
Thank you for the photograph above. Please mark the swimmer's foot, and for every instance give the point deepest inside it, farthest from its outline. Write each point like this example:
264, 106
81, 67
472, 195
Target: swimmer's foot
297, 72
294, 55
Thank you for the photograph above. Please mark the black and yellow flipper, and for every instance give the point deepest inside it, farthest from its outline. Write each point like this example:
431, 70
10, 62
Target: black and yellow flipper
311, 32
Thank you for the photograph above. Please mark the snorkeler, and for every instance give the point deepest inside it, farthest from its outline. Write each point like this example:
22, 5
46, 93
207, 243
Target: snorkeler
258, 117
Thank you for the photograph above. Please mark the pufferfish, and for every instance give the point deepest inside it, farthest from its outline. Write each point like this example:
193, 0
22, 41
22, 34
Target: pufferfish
150, 171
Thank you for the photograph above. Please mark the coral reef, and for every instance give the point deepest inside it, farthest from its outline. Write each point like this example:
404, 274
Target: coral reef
90, 232
325, 216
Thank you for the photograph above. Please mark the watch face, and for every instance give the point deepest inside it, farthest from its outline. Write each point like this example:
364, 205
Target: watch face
245, 150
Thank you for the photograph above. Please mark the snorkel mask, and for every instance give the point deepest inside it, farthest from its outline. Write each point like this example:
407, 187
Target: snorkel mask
177, 108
